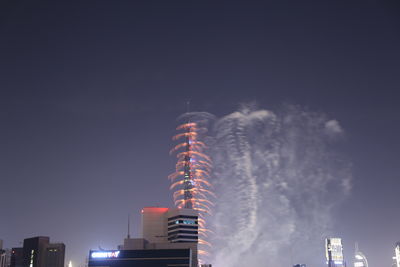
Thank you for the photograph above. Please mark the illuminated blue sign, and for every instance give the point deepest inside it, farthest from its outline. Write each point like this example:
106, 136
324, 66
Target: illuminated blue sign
104, 254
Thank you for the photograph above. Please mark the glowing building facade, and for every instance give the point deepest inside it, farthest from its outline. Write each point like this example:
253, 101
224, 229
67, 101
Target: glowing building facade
397, 254
359, 258
334, 252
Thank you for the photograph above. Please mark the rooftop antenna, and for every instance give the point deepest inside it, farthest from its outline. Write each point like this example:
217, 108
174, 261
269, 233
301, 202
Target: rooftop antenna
129, 225
188, 109
188, 106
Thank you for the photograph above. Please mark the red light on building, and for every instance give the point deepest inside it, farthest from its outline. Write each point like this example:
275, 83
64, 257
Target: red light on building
155, 209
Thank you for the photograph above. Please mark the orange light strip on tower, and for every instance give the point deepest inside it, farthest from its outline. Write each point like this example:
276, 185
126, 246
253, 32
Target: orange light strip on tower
190, 181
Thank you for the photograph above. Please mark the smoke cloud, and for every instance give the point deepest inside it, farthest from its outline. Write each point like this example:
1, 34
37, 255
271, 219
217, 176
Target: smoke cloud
277, 177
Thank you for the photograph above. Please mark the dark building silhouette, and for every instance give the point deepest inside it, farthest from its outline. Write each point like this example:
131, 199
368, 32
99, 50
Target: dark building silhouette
17, 257
38, 252
54, 255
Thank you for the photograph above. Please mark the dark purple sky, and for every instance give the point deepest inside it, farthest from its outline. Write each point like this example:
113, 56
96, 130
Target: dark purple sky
89, 93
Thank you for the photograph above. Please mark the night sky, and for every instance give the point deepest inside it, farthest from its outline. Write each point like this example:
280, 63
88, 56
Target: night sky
90, 92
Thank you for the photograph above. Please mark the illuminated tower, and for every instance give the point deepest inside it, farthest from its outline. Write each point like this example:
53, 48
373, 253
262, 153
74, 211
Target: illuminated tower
334, 252
190, 181
187, 176
359, 258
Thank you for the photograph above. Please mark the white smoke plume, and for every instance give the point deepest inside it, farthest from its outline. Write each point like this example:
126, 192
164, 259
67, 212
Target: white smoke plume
277, 177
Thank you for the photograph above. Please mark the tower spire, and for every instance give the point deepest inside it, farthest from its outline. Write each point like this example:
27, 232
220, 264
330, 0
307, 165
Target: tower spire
190, 181
188, 178
129, 226
188, 107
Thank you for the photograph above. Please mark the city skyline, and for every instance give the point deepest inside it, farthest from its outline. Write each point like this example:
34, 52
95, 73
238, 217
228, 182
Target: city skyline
90, 93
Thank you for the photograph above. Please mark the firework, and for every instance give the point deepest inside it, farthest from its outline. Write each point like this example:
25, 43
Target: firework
190, 181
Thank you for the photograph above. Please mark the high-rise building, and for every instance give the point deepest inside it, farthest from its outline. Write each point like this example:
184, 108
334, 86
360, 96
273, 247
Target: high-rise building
161, 225
334, 252
182, 225
397, 254
38, 252
3, 258
359, 258
55, 255
154, 224
164, 228
3, 255
17, 259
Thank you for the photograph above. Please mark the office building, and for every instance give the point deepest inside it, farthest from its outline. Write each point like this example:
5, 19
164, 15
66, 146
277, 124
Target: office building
334, 252
17, 259
160, 225
2, 255
397, 254
165, 229
153, 224
359, 258
54, 255
38, 252
3, 258
140, 258
182, 225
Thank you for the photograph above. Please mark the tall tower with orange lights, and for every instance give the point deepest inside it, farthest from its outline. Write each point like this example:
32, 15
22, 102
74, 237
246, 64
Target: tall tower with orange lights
187, 175
190, 181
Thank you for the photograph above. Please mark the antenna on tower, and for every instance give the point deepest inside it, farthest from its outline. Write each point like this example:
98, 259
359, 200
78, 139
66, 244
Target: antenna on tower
129, 225
188, 106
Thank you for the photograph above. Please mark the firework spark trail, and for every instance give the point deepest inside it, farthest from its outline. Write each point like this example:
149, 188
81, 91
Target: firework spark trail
277, 178
190, 181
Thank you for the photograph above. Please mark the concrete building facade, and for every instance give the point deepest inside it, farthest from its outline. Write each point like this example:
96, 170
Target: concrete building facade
161, 225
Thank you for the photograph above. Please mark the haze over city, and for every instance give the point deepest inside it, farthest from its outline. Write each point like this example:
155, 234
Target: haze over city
91, 93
